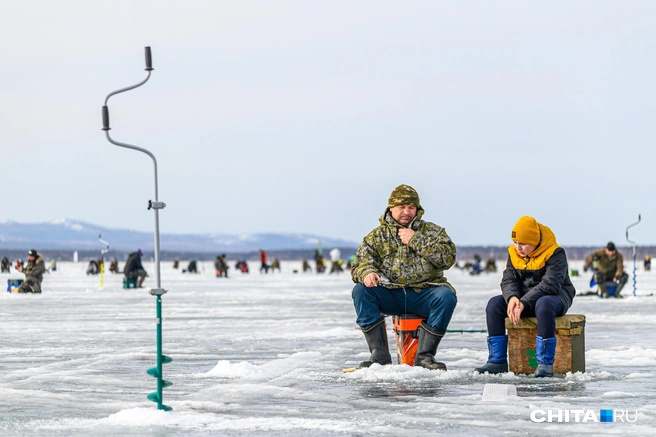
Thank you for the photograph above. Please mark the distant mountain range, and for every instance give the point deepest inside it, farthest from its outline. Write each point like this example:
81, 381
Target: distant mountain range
66, 234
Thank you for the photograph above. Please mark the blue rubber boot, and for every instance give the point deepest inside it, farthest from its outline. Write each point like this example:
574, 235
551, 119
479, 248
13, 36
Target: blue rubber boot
497, 360
545, 353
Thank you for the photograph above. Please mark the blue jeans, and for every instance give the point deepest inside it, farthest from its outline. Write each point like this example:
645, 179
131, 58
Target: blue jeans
547, 308
435, 303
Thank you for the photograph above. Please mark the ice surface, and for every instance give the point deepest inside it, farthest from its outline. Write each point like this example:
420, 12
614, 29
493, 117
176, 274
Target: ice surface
262, 355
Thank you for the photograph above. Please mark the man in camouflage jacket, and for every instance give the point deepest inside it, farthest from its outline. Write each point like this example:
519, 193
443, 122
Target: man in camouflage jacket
608, 265
398, 269
34, 271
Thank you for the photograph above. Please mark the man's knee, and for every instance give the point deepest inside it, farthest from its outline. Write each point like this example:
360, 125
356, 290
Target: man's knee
359, 291
29, 286
624, 278
449, 299
444, 299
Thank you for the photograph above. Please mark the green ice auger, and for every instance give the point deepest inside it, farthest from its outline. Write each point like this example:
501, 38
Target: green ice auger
161, 359
155, 205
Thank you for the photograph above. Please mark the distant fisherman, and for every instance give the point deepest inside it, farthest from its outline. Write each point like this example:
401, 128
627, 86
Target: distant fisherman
221, 266
34, 271
5, 265
134, 269
398, 269
608, 265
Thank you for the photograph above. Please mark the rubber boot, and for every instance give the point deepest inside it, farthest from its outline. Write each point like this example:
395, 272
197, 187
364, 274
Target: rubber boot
376, 336
427, 344
497, 359
140, 281
545, 353
621, 282
602, 290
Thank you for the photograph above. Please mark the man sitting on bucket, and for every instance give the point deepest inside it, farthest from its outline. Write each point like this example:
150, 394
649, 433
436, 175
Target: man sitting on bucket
134, 269
34, 271
608, 265
398, 269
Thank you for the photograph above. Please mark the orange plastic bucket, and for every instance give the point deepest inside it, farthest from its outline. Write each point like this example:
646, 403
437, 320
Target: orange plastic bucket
405, 330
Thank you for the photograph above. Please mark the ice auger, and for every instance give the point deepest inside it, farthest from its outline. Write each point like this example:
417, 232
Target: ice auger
155, 205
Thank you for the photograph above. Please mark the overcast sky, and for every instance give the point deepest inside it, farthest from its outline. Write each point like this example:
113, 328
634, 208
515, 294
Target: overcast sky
302, 116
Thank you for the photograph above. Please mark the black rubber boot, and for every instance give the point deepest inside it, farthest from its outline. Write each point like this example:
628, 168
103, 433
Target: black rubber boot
428, 341
376, 336
620, 285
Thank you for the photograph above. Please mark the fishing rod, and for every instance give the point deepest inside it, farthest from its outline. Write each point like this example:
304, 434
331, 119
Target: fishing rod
155, 205
463, 331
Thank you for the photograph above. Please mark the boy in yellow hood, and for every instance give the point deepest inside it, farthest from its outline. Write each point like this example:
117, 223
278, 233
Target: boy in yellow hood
535, 284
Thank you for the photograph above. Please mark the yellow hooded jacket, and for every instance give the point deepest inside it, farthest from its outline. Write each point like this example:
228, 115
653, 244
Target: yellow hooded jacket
544, 272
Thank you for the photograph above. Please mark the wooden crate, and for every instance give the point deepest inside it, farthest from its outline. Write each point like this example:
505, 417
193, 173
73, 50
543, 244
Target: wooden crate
570, 345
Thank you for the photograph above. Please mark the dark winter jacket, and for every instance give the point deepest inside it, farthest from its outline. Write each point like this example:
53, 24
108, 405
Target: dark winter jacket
220, 264
417, 265
543, 273
34, 270
609, 266
133, 264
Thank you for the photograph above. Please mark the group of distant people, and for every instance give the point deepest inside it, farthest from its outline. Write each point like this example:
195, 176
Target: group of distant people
475, 268
264, 267
135, 271
5, 265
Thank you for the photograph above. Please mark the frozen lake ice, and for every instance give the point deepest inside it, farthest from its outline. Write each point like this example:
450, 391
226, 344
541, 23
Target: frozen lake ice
262, 355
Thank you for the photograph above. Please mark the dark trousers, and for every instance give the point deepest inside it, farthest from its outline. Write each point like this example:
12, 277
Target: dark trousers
547, 309
601, 279
435, 303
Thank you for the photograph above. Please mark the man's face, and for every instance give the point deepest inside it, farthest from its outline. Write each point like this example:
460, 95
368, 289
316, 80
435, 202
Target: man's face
610, 252
403, 214
30, 258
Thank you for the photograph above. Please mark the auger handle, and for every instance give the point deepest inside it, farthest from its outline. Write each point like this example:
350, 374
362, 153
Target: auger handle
105, 117
149, 60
